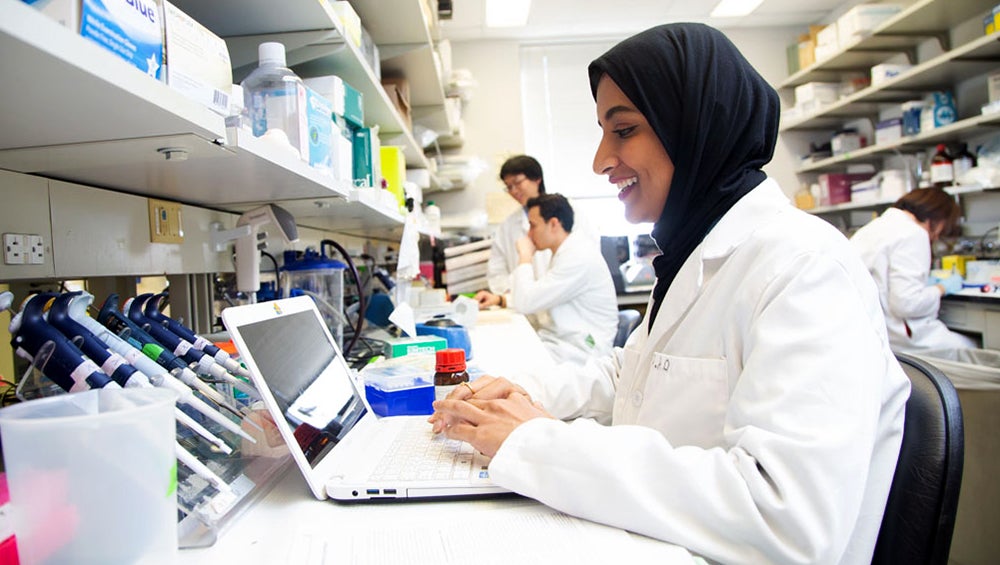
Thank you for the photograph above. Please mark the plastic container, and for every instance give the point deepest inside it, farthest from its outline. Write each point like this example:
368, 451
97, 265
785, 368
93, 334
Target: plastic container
401, 389
322, 278
93, 476
275, 100
433, 215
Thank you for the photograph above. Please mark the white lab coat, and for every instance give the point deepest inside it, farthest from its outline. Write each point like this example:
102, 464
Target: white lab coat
574, 303
503, 256
897, 252
759, 422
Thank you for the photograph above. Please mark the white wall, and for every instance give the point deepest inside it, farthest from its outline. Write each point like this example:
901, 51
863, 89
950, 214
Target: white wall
493, 117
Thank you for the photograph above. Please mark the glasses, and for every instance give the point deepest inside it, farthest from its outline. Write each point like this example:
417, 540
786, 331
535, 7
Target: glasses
510, 186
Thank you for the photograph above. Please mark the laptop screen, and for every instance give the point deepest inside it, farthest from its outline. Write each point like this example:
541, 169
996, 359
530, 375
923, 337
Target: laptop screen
309, 381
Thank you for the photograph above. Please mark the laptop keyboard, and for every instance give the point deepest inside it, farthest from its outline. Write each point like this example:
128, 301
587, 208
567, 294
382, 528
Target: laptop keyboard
417, 454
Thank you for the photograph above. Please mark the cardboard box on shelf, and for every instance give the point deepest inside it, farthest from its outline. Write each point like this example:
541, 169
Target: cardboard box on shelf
197, 61
862, 19
838, 186
398, 90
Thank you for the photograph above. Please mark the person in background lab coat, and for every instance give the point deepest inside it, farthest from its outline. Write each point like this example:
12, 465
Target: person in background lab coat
574, 302
896, 247
757, 412
523, 178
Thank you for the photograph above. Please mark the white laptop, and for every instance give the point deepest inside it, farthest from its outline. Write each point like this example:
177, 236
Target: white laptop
343, 450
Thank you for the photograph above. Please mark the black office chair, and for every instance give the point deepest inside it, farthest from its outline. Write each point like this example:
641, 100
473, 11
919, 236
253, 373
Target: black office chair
919, 515
627, 321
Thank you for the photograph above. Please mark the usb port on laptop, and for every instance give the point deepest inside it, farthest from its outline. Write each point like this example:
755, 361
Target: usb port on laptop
371, 491
389, 491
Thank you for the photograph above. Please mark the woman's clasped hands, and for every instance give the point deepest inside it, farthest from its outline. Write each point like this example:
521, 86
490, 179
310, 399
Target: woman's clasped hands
484, 413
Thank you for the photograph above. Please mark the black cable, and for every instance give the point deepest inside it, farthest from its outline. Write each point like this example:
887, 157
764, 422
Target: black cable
357, 282
277, 279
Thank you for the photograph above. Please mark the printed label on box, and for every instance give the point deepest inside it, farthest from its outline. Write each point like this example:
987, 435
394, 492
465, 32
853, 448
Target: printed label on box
132, 29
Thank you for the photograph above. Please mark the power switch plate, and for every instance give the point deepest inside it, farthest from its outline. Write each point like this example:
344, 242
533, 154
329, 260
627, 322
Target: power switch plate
36, 250
165, 224
13, 249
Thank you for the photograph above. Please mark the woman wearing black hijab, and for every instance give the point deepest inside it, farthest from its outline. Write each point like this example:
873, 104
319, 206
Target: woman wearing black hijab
756, 415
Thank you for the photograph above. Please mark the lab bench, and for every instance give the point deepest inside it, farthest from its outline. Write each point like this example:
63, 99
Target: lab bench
975, 312
289, 525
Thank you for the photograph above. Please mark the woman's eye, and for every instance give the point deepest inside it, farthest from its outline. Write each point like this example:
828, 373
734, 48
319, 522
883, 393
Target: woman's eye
624, 132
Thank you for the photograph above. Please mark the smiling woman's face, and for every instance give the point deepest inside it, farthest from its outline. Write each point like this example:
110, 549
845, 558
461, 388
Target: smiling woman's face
631, 155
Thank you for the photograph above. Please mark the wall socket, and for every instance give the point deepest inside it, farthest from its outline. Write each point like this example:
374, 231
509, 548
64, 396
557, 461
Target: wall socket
13, 248
165, 224
23, 249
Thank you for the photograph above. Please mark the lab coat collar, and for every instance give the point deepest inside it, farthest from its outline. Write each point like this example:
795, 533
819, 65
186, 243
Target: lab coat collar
742, 219
732, 229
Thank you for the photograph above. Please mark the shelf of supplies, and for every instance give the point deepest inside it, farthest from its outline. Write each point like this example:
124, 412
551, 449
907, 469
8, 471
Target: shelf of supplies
972, 59
58, 88
58, 125
874, 153
851, 206
902, 32
315, 46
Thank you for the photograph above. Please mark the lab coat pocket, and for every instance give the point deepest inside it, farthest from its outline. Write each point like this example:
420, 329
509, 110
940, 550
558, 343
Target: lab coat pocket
685, 398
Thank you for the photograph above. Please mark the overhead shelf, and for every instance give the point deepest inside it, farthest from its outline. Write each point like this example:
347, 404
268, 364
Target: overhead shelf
954, 132
907, 29
940, 73
58, 125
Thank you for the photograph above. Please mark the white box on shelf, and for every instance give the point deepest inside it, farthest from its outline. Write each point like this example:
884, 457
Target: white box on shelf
827, 37
862, 19
824, 52
824, 92
885, 71
889, 130
197, 61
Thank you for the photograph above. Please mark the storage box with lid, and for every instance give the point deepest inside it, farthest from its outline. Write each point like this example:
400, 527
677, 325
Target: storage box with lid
862, 19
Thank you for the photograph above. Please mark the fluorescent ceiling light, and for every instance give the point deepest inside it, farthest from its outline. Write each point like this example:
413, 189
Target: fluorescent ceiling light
507, 13
735, 8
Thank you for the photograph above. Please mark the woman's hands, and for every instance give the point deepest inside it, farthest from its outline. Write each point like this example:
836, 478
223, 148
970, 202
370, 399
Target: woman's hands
484, 413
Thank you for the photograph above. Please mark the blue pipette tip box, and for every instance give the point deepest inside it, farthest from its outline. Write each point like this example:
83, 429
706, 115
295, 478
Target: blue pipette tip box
403, 391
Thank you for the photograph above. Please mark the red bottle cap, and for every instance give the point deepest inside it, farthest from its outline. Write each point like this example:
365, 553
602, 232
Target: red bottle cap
450, 360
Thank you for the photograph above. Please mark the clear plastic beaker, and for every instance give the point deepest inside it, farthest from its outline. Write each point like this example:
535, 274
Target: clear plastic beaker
93, 476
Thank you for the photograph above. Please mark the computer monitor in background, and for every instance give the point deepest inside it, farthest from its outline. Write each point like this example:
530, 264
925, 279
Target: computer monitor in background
615, 250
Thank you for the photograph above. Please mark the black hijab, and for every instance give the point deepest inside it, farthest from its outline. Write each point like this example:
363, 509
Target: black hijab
716, 118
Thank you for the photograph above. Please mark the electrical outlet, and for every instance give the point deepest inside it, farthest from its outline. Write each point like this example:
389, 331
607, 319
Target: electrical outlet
13, 249
36, 250
165, 224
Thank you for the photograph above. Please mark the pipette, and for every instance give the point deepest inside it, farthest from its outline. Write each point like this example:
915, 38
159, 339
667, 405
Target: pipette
152, 310
66, 366
182, 347
158, 375
113, 364
140, 339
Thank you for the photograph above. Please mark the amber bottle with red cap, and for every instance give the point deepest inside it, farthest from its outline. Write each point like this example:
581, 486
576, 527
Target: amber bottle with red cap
451, 371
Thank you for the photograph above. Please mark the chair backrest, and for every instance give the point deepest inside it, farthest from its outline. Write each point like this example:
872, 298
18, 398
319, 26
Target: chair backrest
919, 515
627, 321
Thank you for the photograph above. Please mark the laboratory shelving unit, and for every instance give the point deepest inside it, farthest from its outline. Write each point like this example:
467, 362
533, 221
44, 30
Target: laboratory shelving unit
918, 22
85, 139
952, 63
72, 111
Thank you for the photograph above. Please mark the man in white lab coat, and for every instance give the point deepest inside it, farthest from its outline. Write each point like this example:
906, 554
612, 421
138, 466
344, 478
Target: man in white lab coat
573, 302
523, 178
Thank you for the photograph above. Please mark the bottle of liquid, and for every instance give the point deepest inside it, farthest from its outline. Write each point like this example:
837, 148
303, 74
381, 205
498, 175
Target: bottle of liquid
942, 169
274, 98
963, 161
450, 373
433, 215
